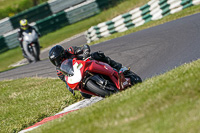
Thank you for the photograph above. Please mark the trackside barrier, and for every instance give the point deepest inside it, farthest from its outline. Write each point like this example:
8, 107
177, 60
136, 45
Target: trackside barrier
3, 45
11, 39
153, 10
82, 11
36, 13
60, 5
67, 17
33, 14
5, 26
52, 23
104, 3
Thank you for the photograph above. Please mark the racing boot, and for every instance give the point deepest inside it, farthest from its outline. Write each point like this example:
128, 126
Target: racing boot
113, 64
129, 74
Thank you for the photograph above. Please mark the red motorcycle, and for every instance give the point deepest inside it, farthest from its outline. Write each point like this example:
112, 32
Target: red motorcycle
96, 78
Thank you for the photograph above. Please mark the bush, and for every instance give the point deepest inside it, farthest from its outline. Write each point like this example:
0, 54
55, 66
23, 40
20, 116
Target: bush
17, 8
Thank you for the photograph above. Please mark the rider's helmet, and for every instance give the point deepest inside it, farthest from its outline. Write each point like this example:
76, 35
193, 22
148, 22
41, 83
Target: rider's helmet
57, 55
23, 24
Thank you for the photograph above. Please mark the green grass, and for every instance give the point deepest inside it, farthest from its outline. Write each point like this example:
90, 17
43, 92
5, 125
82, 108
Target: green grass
6, 3
68, 31
169, 102
10, 57
9, 8
24, 102
166, 103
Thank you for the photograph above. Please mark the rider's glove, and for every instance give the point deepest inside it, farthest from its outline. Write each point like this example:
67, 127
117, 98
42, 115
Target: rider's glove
20, 38
86, 51
86, 54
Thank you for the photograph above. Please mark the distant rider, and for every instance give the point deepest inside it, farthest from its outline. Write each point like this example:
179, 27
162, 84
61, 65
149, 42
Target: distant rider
24, 26
57, 55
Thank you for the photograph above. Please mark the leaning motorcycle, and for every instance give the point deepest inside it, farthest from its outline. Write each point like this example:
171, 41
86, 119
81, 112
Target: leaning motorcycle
31, 45
97, 78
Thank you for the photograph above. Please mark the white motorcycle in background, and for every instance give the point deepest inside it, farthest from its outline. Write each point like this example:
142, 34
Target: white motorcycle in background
31, 45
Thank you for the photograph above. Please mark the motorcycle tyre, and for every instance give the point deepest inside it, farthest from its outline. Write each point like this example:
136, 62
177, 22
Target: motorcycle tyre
32, 51
93, 87
35, 52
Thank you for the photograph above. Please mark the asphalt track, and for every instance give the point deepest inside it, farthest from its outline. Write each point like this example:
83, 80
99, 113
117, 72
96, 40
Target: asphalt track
148, 52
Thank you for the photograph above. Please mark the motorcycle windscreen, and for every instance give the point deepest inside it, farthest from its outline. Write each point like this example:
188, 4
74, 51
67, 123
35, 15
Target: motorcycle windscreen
67, 67
30, 36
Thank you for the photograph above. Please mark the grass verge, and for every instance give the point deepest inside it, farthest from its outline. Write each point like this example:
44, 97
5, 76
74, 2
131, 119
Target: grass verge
24, 102
10, 57
66, 32
9, 8
166, 103
169, 102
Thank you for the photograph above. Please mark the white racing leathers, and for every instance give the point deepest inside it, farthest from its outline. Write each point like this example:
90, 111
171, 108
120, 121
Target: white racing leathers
31, 45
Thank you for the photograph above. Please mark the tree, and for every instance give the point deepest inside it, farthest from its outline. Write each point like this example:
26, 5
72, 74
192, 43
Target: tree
35, 2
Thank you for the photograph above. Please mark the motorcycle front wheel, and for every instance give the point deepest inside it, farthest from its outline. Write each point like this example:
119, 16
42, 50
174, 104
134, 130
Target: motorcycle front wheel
95, 88
33, 49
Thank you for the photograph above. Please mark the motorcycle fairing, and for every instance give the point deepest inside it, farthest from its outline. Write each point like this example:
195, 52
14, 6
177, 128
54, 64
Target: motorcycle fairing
67, 67
104, 69
30, 36
100, 67
118, 78
76, 78
80, 68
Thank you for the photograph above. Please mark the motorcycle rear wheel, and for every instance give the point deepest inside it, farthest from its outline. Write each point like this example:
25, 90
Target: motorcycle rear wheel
93, 87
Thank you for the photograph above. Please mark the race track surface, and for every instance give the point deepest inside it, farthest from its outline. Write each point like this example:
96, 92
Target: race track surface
148, 52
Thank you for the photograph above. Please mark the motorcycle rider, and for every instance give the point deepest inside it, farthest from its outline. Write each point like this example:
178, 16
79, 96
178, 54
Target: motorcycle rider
57, 55
24, 26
